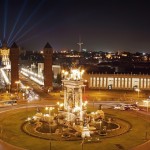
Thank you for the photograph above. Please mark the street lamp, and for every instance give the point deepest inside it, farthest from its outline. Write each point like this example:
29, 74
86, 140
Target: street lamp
82, 143
49, 109
17, 82
26, 88
147, 103
138, 91
9, 88
100, 124
60, 106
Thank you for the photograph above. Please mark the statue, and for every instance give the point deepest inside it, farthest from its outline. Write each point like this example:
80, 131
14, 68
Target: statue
100, 107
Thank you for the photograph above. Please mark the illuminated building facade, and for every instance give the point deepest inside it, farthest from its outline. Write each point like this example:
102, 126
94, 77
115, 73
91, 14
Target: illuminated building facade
55, 68
118, 81
4, 54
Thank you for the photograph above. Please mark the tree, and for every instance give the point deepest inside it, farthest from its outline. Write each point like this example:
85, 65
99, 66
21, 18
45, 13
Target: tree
58, 79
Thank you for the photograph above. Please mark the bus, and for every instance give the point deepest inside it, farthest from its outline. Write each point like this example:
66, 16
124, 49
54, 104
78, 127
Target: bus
8, 103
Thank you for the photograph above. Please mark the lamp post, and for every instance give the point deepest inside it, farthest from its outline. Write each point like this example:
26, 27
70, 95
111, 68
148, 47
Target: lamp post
17, 82
100, 124
82, 143
138, 91
60, 106
49, 110
26, 87
147, 103
9, 88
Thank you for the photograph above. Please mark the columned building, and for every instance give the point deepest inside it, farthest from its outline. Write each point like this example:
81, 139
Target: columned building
118, 81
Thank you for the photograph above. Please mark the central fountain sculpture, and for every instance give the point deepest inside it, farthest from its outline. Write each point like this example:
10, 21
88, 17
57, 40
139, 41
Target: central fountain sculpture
73, 86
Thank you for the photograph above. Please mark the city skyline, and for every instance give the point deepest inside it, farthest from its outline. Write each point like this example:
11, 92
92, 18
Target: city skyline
100, 25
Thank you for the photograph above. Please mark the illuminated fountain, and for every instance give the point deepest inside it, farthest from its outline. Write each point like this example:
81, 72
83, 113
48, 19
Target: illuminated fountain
70, 119
73, 85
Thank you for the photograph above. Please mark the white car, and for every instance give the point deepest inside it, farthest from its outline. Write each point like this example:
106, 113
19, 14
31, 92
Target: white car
119, 106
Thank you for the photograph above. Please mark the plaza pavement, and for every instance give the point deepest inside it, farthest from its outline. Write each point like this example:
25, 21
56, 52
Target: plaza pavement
144, 146
7, 146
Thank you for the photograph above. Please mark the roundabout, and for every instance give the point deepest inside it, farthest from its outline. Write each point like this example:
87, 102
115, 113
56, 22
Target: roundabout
12, 123
60, 129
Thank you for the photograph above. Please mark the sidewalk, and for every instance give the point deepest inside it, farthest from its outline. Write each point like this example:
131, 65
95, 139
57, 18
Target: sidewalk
7, 146
144, 146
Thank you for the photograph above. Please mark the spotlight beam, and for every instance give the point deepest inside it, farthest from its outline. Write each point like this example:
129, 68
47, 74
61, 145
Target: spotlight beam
36, 35
32, 27
29, 18
5, 18
17, 20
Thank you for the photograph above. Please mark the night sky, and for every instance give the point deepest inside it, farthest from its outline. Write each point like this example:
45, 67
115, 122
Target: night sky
102, 25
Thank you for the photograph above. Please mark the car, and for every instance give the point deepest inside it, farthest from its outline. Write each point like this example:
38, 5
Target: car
134, 105
135, 108
119, 106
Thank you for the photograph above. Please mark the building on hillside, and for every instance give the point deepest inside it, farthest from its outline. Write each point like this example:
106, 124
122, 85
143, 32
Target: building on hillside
4, 54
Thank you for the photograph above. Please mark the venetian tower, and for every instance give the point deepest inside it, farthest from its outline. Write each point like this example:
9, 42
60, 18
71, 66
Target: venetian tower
48, 53
14, 58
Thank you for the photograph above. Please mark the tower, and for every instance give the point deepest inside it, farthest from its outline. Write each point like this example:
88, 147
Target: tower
80, 44
14, 58
48, 53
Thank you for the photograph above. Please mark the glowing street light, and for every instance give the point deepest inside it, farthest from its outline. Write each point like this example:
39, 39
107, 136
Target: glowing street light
64, 73
49, 109
84, 104
60, 105
26, 88
147, 103
17, 82
138, 91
